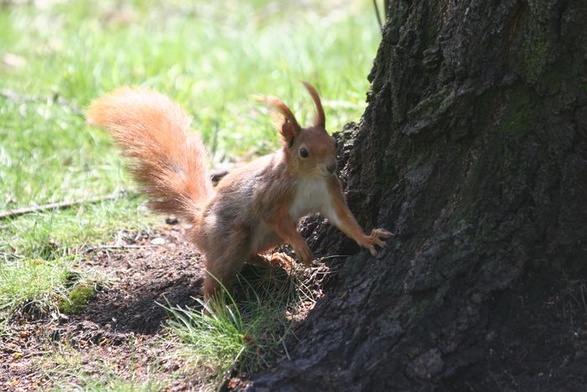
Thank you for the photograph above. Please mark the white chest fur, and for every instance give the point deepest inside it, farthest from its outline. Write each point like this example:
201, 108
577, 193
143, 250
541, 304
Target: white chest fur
312, 197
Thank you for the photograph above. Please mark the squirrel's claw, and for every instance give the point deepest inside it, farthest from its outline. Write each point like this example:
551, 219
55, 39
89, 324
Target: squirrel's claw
376, 238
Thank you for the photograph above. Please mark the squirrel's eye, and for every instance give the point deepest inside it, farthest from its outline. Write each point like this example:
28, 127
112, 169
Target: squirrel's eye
304, 152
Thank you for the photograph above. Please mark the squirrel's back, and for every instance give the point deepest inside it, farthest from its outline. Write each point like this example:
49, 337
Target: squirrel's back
167, 160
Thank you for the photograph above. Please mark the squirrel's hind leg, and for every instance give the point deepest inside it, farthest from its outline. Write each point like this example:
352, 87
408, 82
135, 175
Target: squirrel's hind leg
222, 267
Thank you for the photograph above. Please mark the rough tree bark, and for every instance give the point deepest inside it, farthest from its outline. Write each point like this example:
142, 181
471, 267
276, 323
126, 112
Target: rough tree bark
473, 151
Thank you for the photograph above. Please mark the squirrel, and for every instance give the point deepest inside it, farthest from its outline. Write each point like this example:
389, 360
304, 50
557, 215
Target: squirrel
254, 208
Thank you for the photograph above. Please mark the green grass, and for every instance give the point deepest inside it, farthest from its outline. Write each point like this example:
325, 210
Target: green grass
35, 284
211, 57
229, 336
38, 287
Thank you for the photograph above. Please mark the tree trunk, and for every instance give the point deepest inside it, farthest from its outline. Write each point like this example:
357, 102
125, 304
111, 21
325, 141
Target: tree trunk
473, 151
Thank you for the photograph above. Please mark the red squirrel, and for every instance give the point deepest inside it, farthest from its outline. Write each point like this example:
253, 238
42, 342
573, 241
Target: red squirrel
252, 209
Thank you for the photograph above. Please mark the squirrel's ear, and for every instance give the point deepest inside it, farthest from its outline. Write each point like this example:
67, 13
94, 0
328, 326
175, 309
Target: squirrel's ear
289, 128
288, 132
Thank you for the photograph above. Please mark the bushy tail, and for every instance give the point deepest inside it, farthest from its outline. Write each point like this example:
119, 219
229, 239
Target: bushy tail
167, 160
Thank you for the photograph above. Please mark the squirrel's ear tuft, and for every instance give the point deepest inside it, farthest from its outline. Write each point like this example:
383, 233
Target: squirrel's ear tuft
320, 119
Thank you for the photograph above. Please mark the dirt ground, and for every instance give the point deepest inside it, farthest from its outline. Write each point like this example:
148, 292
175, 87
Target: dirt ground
120, 330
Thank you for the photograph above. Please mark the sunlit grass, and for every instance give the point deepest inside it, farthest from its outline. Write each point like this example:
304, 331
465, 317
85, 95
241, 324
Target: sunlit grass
35, 288
211, 58
239, 336
34, 283
62, 233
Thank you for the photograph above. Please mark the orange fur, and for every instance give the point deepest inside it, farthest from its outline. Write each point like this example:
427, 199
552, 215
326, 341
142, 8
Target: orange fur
254, 208
167, 161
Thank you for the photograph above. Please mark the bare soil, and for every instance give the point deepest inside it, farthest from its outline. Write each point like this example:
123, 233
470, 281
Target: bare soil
120, 330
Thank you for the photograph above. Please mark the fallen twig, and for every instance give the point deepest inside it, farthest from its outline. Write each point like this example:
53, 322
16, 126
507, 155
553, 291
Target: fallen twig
57, 206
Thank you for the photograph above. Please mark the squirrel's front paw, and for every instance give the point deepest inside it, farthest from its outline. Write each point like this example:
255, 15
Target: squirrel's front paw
376, 238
